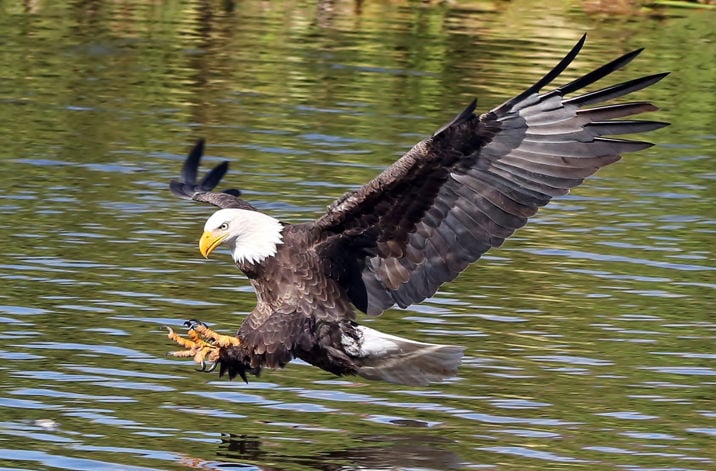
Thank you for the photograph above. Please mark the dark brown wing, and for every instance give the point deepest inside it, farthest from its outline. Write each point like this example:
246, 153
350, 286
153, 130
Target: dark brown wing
188, 188
473, 183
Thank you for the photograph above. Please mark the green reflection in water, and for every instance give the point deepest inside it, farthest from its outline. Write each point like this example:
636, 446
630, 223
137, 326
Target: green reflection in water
590, 334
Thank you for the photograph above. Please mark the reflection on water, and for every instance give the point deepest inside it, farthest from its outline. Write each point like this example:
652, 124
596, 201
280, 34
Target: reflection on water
589, 335
377, 452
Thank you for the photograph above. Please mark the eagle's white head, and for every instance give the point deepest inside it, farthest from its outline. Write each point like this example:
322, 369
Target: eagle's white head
252, 235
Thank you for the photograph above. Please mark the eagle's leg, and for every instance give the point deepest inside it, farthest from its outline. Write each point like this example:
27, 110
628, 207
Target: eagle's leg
202, 344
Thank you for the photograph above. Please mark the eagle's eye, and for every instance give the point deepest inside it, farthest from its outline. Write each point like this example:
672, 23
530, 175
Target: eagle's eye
224, 226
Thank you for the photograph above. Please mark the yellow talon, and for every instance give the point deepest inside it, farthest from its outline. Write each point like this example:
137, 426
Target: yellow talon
188, 344
203, 344
217, 339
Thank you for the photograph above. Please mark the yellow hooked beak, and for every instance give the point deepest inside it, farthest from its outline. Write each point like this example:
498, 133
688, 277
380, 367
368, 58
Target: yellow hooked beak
209, 241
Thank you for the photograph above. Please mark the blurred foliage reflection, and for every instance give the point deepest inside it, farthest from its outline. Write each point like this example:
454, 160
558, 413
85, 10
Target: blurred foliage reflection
589, 335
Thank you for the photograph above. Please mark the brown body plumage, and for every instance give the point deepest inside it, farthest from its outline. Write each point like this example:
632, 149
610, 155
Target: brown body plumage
294, 294
417, 225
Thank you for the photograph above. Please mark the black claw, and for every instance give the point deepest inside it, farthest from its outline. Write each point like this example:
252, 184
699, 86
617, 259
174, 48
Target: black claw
204, 368
192, 323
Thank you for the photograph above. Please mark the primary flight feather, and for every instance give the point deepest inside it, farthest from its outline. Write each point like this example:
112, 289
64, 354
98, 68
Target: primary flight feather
398, 238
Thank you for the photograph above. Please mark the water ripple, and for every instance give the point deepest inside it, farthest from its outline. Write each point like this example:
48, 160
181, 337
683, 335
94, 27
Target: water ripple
576, 254
589, 335
532, 453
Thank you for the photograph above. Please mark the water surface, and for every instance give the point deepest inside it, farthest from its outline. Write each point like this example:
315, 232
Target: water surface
589, 335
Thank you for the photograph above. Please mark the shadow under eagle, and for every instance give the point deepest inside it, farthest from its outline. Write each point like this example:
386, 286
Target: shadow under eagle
395, 240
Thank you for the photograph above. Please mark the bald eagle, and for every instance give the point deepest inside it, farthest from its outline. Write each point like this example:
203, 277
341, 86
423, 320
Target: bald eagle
398, 238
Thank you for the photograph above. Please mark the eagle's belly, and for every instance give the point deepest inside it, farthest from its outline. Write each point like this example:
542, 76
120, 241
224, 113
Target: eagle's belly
301, 312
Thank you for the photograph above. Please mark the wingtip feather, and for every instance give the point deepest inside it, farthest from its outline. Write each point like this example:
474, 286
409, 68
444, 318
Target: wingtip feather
549, 76
464, 115
187, 187
214, 176
179, 189
191, 164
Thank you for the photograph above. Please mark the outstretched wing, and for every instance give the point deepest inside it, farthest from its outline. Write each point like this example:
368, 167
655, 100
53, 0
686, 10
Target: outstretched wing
188, 188
474, 182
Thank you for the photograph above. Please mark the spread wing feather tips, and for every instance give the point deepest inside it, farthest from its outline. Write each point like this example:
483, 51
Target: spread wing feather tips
470, 185
188, 188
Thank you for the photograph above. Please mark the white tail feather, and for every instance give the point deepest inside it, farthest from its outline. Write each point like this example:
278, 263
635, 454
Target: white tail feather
402, 361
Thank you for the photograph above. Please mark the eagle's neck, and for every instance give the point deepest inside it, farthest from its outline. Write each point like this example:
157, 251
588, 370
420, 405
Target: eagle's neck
258, 236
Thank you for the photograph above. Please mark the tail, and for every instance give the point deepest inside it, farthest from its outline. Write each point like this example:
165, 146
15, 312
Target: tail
402, 361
